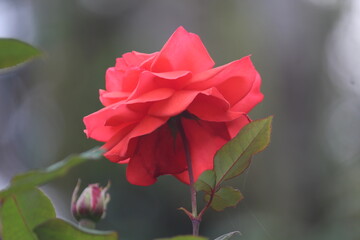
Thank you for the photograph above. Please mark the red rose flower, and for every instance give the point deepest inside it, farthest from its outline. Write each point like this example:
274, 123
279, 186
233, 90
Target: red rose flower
145, 91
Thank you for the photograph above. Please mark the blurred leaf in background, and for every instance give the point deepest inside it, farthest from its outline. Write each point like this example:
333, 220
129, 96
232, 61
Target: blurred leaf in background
23, 211
14, 52
58, 229
26, 213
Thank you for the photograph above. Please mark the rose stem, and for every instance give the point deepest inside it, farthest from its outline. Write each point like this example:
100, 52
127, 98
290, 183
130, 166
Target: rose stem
195, 221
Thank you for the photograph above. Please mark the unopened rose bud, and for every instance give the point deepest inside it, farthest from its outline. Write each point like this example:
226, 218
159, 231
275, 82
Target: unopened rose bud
91, 205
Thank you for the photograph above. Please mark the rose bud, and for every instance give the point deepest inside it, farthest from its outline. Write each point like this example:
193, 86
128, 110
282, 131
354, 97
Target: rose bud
90, 207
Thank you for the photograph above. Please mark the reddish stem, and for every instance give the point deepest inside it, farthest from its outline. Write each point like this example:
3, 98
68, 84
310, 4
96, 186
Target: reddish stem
195, 220
207, 205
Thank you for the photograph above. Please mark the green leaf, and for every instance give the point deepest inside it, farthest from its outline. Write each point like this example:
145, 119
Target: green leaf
185, 237
58, 229
235, 156
21, 212
14, 52
224, 197
38, 177
228, 235
206, 181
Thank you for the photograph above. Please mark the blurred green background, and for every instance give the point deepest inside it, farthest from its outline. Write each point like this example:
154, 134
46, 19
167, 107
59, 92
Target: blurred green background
306, 185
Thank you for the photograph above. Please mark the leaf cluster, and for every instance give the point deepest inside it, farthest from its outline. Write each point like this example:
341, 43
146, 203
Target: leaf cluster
231, 161
26, 213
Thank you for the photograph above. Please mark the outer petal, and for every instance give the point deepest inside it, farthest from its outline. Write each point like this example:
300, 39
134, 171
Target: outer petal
236, 125
108, 98
233, 80
136, 59
208, 79
157, 153
242, 84
149, 82
120, 150
210, 105
152, 96
114, 79
176, 80
118, 137
252, 98
176, 104
205, 139
121, 64
183, 51
122, 81
101, 125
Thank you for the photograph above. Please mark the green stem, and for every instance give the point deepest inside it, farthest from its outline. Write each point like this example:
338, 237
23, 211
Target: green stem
194, 219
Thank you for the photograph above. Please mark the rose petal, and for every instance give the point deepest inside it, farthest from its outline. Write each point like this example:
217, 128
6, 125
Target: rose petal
183, 51
146, 65
204, 139
155, 95
122, 81
174, 105
172, 75
252, 98
114, 79
121, 64
96, 123
144, 84
119, 136
238, 84
236, 125
149, 82
108, 98
175, 80
136, 58
207, 79
210, 105
157, 153
233, 80
147, 125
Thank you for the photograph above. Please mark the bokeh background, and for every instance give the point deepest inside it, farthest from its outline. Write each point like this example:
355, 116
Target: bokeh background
306, 185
